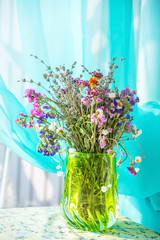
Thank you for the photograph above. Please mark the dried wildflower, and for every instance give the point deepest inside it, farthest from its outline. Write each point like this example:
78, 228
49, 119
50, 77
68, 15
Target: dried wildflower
93, 81
94, 117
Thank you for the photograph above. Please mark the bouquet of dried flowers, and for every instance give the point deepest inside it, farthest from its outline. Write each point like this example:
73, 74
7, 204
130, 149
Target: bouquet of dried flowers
91, 116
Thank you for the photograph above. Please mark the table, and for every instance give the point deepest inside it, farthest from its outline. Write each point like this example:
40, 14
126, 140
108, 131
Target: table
47, 223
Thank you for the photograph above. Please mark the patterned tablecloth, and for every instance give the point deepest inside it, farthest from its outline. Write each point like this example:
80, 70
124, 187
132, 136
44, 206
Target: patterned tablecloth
47, 223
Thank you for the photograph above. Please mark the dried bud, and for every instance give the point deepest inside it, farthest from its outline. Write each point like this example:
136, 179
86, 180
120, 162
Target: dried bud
45, 75
56, 76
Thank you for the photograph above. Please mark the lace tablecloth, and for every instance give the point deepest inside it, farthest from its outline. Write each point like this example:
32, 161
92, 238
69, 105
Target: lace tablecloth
47, 223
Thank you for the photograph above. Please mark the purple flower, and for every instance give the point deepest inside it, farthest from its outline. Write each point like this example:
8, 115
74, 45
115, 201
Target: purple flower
46, 107
64, 90
115, 103
132, 103
39, 121
128, 116
49, 116
137, 99
42, 132
132, 170
39, 150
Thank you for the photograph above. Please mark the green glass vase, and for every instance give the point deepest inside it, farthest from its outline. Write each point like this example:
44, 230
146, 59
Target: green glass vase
90, 195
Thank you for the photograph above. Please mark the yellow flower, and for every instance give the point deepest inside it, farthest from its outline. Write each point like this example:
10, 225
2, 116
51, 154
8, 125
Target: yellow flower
93, 81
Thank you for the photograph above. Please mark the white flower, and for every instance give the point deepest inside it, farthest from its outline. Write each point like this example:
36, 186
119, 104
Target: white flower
136, 169
37, 127
138, 159
72, 152
134, 127
59, 173
99, 112
58, 167
109, 185
104, 188
53, 126
120, 104
105, 132
112, 95
60, 130
138, 133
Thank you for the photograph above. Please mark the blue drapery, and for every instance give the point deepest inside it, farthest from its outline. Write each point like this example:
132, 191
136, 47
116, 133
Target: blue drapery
93, 32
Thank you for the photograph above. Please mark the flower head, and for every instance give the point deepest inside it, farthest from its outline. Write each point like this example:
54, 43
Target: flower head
52, 126
97, 74
104, 189
72, 152
60, 130
93, 81
102, 141
94, 93
112, 94
105, 132
81, 83
110, 151
59, 173
85, 101
138, 159
132, 170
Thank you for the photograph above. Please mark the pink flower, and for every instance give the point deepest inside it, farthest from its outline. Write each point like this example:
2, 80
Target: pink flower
97, 74
16, 120
106, 93
31, 95
94, 118
110, 151
119, 162
122, 153
112, 104
106, 110
93, 93
102, 108
30, 99
111, 116
36, 100
114, 155
103, 118
81, 83
99, 100
102, 141
36, 111
21, 114
85, 101
110, 130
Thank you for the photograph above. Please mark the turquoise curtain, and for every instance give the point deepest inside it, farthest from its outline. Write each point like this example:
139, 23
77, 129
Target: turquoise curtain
92, 33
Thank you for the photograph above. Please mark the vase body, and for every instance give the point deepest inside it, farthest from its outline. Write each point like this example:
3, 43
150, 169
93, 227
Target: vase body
90, 195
